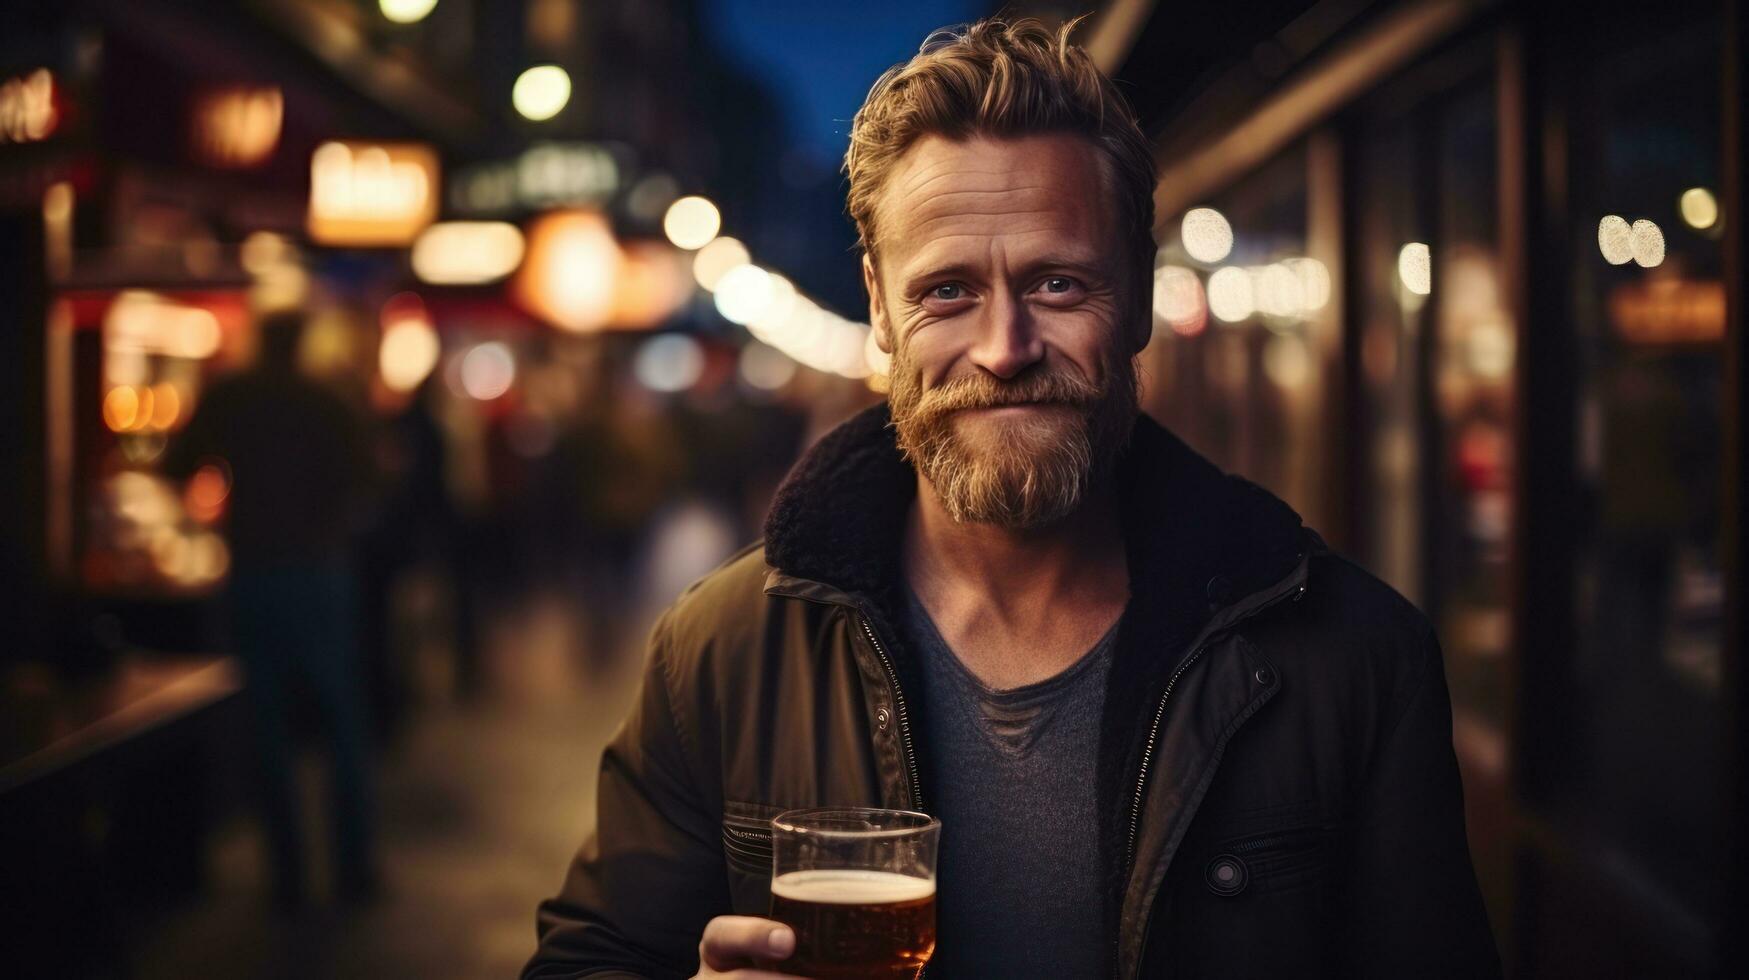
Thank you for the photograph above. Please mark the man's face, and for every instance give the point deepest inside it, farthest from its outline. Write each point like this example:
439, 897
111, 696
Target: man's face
1002, 287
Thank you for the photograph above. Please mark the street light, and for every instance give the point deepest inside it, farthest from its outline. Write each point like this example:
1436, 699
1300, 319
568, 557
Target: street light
406, 11
541, 92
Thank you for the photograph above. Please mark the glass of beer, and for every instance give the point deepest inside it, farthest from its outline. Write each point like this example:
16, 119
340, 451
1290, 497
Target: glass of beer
858, 888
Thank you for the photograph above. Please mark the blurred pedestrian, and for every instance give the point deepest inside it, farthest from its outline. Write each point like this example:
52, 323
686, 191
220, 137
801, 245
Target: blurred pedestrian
296, 465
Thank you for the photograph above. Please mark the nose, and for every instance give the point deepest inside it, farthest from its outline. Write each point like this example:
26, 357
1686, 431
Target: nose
1008, 343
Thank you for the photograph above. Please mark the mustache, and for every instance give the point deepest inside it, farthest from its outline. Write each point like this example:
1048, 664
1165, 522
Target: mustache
985, 391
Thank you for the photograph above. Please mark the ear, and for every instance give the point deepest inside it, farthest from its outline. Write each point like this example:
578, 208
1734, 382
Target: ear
877, 306
1139, 325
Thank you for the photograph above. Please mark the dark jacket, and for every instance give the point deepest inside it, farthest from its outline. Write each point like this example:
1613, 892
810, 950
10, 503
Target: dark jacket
1281, 796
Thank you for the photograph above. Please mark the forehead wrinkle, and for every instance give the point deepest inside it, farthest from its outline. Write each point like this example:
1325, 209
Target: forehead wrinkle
1013, 248
970, 202
946, 169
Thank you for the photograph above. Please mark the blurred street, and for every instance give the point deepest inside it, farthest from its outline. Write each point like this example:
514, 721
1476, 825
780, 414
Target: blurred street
487, 801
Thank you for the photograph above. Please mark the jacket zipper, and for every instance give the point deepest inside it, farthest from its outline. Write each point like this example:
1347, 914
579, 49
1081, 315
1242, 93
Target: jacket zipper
899, 710
1160, 715
1154, 736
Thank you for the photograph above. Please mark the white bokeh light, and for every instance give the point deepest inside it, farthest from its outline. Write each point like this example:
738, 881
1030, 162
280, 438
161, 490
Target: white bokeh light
716, 258
406, 11
1700, 209
1314, 279
745, 294
692, 222
541, 92
488, 371
1615, 240
1646, 240
669, 363
1230, 296
1276, 290
1206, 235
1178, 300
1415, 268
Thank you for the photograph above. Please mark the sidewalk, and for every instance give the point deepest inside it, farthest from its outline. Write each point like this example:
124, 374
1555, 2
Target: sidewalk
481, 808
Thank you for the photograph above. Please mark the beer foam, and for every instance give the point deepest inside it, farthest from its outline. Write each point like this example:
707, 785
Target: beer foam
851, 887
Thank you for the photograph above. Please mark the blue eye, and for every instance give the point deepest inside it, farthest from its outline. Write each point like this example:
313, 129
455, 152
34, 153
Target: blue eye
947, 291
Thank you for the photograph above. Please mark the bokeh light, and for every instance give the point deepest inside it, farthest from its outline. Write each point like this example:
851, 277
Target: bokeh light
669, 363
1646, 240
409, 351
716, 258
1615, 240
745, 294
691, 222
541, 92
204, 496
1314, 279
1276, 291
121, 408
1700, 209
1178, 300
571, 271
1415, 268
1206, 235
406, 11
166, 407
765, 367
488, 371
467, 252
1229, 294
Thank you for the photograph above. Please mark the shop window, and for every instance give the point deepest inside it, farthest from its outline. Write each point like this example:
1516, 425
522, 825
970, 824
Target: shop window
1240, 312
1645, 772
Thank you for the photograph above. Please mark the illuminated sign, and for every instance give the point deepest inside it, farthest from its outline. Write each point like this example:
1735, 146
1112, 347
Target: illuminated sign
237, 127
546, 175
467, 252
1669, 311
371, 194
27, 108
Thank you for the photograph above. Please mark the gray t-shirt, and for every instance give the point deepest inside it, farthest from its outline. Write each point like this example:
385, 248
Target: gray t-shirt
1018, 878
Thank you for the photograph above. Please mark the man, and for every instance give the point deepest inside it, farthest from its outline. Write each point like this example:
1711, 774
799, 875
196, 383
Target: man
1167, 732
296, 465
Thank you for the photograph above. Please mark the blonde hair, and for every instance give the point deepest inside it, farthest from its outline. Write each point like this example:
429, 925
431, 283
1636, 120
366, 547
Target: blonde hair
995, 78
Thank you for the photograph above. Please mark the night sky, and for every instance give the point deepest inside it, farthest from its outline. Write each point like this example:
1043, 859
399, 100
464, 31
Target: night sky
822, 55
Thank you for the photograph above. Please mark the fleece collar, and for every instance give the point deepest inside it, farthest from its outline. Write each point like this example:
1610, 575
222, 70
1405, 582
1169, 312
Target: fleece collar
1190, 529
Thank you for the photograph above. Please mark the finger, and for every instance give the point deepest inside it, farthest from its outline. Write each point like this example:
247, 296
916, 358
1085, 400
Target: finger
730, 940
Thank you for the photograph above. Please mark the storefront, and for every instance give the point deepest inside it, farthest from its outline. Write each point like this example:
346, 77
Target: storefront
1463, 284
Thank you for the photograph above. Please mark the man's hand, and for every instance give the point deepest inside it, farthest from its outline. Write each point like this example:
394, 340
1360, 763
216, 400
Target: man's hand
733, 945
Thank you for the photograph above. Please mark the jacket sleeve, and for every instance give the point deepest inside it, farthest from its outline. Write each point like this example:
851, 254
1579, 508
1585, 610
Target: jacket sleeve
1415, 909
640, 890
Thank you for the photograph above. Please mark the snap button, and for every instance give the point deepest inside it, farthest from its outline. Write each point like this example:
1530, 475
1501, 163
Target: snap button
1219, 588
1264, 676
1226, 875
882, 718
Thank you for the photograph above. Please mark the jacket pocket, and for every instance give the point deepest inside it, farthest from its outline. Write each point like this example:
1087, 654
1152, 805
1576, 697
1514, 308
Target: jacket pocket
747, 836
1279, 860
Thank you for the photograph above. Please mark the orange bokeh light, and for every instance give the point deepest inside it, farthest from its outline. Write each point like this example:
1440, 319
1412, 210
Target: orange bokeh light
121, 407
208, 489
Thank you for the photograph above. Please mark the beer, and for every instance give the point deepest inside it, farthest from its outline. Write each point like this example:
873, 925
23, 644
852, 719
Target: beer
856, 924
